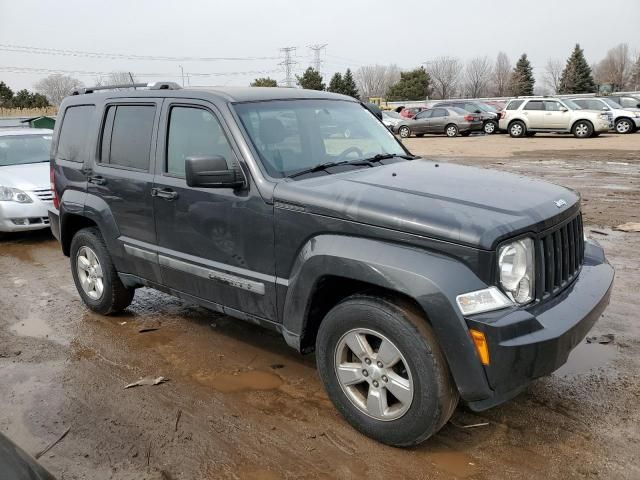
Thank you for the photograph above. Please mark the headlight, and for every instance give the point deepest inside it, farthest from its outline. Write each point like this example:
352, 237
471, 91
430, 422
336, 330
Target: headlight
8, 194
516, 264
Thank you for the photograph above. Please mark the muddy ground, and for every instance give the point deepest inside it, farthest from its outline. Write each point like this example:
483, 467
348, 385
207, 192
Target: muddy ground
241, 405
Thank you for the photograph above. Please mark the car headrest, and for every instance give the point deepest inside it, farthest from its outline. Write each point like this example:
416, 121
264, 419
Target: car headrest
271, 131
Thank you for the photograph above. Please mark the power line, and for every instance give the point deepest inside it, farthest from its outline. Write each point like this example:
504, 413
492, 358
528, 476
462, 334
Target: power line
48, 71
118, 56
317, 60
288, 63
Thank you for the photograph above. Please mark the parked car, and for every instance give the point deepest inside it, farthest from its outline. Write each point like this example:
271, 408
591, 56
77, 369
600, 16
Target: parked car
624, 121
488, 116
525, 117
411, 112
391, 118
16, 464
416, 282
25, 191
628, 102
448, 121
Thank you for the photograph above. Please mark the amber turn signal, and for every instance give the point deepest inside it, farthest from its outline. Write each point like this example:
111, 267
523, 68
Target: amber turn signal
482, 347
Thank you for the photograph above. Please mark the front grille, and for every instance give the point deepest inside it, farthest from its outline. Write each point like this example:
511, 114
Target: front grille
44, 194
561, 256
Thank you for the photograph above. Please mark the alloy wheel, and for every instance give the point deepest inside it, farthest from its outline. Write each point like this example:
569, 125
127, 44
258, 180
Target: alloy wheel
90, 273
373, 374
623, 126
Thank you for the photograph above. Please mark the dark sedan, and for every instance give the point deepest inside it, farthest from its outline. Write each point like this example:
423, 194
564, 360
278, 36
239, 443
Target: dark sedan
449, 121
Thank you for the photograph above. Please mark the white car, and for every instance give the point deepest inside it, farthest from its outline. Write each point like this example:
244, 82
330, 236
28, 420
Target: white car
527, 116
391, 118
25, 188
624, 120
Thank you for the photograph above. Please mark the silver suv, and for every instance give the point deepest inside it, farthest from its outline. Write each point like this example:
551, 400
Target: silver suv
625, 120
526, 116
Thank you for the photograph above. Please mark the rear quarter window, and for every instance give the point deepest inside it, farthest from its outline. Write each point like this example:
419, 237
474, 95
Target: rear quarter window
73, 141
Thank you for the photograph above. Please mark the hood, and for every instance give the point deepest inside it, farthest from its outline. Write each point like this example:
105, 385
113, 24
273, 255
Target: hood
456, 203
29, 176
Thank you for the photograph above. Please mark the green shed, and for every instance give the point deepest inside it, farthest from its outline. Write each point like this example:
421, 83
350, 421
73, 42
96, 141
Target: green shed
41, 122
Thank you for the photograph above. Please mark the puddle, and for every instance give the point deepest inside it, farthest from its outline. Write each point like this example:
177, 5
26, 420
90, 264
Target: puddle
32, 326
457, 464
243, 381
20, 251
585, 358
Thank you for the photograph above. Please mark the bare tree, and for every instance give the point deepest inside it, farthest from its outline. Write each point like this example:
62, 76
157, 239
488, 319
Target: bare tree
501, 75
615, 68
116, 78
553, 74
445, 76
56, 87
477, 75
375, 80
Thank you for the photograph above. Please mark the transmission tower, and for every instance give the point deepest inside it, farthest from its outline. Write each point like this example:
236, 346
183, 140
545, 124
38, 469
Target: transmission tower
317, 60
288, 63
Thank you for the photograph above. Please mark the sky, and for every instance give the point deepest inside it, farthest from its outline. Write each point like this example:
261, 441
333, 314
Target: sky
357, 32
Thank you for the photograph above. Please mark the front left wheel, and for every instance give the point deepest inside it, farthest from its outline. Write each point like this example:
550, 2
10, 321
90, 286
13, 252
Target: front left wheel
624, 125
94, 274
404, 131
384, 371
451, 130
582, 129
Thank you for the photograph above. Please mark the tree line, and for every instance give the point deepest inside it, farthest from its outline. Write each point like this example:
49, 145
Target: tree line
21, 99
312, 79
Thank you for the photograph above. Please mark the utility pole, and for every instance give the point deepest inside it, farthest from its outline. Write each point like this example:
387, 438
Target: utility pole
182, 71
287, 63
317, 50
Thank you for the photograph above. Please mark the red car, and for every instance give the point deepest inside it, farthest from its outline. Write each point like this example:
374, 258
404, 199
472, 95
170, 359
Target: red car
411, 111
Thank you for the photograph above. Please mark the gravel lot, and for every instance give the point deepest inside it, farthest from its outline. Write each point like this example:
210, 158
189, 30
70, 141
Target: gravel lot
241, 405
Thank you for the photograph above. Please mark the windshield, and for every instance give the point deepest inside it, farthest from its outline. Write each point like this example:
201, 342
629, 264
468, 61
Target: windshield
571, 104
19, 149
294, 135
391, 113
488, 108
611, 103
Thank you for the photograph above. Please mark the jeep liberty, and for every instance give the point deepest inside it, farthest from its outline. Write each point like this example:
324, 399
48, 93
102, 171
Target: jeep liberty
418, 284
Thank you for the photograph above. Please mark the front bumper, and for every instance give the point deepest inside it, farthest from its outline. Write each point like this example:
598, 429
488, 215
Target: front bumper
525, 344
20, 217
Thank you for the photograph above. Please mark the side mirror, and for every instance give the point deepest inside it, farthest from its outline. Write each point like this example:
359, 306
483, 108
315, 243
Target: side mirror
638, 105
563, 109
212, 172
477, 111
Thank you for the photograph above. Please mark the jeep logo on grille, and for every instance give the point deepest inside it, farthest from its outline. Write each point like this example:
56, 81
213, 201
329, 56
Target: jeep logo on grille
560, 203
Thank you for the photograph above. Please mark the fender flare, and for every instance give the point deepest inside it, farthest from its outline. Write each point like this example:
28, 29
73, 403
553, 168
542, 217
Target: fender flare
433, 280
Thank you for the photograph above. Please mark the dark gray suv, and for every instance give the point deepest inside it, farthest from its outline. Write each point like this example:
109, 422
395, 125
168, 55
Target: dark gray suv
417, 283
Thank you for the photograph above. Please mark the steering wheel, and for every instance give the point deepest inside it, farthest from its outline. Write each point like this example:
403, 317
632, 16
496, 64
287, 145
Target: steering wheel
345, 153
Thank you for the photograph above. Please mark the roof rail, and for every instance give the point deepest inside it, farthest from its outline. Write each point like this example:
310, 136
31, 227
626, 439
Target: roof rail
149, 86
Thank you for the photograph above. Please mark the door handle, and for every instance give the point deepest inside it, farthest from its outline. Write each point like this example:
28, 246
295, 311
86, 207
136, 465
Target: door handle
97, 180
165, 193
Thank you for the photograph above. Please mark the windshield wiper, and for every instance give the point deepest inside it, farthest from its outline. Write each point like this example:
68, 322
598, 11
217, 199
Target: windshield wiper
317, 168
387, 156
360, 161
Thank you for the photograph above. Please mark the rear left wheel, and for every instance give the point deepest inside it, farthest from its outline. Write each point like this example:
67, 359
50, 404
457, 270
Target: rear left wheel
384, 371
490, 127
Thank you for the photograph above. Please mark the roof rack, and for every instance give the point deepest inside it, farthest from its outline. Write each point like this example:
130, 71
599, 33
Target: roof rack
149, 86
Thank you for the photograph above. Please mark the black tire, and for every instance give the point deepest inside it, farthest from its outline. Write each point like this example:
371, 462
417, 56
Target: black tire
451, 130
582, 129
490, 127
531, 134
517, 129
404, 131
115, 296
435, 396
419, 135
624, 126
465, 134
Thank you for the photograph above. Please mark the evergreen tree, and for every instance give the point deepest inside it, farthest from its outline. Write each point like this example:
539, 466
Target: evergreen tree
577, 76
311, 79
6, 94
413, 85
522, 79
264, 82
336, 85
349, 84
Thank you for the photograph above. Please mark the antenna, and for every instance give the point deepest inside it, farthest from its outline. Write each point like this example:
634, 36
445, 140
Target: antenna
317, 50
287, 63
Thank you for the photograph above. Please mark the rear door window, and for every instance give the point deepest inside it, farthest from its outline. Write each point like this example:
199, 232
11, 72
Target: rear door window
534, 105
73, 142
126, 138
552, 106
